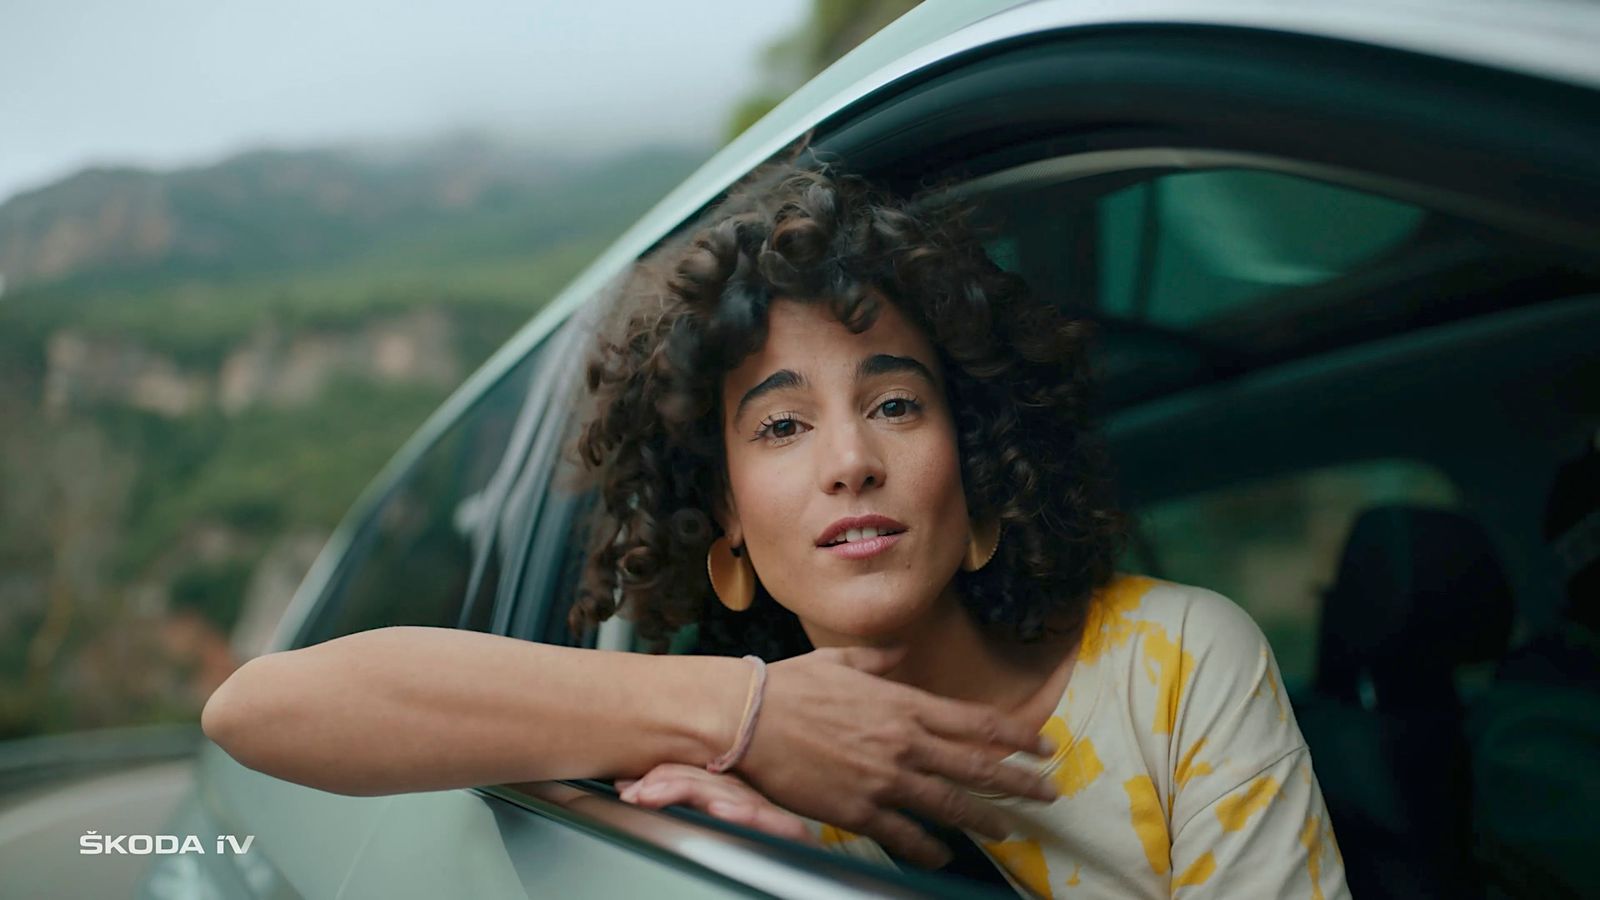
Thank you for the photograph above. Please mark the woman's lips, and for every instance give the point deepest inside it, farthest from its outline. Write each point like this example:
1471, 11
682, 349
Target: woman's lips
864, 548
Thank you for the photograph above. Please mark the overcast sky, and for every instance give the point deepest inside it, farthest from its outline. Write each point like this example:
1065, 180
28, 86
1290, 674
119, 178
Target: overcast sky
172, 82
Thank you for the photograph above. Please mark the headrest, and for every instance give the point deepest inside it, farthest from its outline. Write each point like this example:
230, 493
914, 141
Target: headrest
1418, 586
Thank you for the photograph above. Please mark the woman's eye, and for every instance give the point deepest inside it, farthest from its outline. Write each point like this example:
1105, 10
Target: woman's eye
897, 407
779, 429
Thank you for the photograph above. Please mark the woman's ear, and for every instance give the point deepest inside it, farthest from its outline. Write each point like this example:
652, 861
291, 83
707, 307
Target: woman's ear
727, 516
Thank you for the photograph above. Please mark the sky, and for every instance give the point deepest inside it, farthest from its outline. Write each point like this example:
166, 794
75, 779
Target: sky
165, 83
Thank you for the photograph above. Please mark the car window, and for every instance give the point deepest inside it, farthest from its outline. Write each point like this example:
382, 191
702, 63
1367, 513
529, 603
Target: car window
541, 538
1180, 249
412, 560
1273, 545
1200, 275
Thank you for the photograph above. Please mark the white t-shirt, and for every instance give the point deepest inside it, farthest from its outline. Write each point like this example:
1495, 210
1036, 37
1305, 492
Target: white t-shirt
1182, 771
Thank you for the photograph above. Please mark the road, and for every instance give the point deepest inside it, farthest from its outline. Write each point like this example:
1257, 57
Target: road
40, 830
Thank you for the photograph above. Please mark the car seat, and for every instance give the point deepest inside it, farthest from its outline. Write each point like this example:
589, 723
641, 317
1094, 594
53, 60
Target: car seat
1419, 592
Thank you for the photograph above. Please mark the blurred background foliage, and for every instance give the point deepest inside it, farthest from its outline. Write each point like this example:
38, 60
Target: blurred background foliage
200, 369
834, 28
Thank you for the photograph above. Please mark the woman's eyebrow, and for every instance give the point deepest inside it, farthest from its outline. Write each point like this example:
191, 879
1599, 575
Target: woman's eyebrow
777, 381
885, 364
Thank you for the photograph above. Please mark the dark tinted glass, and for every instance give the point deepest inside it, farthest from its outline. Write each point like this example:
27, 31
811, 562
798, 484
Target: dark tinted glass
1202, 275
412, 560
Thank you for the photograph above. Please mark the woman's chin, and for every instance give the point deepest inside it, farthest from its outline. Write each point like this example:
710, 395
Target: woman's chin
867, 620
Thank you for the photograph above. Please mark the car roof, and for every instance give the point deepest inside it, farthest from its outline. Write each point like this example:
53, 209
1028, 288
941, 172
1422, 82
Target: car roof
1553, 39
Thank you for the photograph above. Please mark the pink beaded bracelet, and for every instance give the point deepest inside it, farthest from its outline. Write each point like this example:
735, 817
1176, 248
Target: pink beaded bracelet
747, 726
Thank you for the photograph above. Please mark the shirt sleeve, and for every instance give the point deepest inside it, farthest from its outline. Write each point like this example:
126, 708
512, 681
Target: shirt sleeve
1269, 837
1248, 817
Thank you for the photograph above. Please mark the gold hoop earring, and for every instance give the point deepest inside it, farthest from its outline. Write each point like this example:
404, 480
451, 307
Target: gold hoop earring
981, 545
733, 579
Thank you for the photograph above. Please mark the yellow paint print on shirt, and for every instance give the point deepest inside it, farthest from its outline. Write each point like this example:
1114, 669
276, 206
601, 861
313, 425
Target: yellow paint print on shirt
1199, 871
1111, 624
1310, 838
1075, 765
832, 834
1187, 770
1149, 822
1170, 669
1025, 861
1234, 811
1266, 675
1108, 625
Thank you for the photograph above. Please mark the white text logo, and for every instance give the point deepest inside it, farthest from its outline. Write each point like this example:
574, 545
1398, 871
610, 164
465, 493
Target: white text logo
94, 843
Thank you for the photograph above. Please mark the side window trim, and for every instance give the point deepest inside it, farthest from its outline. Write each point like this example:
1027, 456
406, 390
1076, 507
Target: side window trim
530, 498
498, 490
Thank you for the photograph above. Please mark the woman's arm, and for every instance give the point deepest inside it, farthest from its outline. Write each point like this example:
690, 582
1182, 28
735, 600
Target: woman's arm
411, 708
415, 709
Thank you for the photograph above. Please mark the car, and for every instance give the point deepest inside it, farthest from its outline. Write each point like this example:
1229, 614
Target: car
1344, 260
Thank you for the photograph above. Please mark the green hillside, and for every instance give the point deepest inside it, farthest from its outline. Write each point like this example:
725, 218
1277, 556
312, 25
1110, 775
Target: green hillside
133, 302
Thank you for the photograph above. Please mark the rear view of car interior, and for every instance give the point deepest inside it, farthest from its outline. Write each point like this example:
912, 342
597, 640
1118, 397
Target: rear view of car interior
1345, 412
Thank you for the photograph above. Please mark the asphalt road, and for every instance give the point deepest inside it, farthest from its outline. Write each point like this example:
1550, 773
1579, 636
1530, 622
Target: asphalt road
40, 830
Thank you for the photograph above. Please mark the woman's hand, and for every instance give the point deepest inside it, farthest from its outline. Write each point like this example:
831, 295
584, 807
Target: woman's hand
838, 743
724, 796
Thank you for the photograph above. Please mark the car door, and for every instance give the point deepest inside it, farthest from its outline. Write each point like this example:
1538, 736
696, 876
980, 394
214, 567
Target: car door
405, 556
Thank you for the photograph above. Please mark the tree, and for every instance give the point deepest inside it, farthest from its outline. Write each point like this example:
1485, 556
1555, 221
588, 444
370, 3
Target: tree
834, 28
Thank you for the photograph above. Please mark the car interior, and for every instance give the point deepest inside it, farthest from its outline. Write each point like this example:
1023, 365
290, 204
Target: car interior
1343, 412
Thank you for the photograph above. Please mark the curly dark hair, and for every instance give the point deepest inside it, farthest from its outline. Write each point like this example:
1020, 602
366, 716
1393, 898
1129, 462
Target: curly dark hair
1017, 375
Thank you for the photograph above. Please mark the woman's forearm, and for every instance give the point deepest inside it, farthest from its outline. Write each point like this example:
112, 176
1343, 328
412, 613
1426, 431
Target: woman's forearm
413, 709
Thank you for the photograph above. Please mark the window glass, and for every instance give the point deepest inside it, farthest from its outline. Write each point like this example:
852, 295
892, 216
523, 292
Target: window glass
1273, 545
411, 561
1179, 249
1201, 275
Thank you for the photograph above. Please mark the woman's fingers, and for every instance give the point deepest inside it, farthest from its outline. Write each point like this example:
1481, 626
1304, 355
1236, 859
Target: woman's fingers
765, 818
981, 769
715, 795
905, 839
975, 723
944, 802
668, 792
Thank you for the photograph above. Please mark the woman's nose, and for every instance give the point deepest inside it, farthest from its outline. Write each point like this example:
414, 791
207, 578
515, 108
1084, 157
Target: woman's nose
853, 462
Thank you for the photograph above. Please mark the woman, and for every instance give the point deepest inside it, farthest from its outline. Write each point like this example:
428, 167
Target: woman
874, 442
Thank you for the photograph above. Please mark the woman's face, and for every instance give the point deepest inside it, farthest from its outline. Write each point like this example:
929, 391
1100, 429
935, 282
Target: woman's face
831, 436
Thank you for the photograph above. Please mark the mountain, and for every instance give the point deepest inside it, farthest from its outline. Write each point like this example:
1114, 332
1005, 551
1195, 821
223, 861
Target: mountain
176, 349
271, 210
